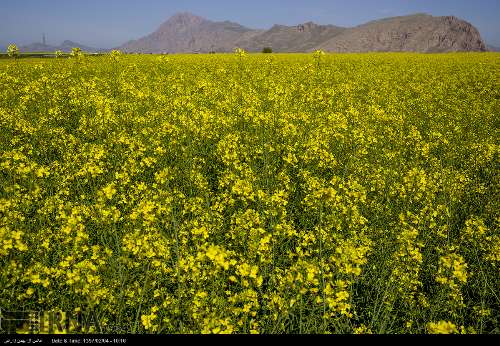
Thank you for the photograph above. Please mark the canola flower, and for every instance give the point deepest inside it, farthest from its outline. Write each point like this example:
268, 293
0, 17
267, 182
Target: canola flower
13, 51
115, 54
303, 193
318, 55
240, 53
442, 327
76, 52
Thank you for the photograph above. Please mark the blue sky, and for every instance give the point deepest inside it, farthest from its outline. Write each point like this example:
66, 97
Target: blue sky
109, 23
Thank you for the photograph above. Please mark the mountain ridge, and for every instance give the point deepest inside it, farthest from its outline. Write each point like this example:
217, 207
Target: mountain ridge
188, 33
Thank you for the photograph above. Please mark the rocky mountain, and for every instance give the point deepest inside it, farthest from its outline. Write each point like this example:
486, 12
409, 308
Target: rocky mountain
416, 33
187, 33
66, 47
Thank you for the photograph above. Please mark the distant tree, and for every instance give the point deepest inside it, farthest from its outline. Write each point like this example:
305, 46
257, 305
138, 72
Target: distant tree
13, 51
267, 50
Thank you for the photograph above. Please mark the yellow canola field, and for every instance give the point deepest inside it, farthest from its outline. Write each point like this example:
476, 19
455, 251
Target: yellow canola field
253, 193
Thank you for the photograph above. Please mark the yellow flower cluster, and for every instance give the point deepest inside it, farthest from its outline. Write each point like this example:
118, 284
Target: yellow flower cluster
442, 327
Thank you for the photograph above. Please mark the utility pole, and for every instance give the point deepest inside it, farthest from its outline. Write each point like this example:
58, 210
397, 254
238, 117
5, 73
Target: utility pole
44, 41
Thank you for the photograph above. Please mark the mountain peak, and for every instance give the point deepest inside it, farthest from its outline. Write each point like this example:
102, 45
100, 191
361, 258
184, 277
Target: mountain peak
186, 18
184, 15
307, 26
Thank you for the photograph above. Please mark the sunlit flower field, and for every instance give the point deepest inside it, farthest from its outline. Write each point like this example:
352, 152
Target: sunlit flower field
259, 193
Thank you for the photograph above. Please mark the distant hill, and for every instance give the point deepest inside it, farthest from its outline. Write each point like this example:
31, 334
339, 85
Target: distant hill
493, 48
187, 33
66, 47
